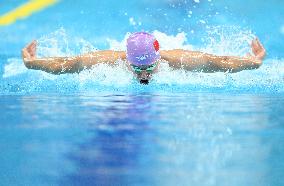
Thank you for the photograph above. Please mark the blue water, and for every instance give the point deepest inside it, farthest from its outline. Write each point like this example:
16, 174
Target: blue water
101, 127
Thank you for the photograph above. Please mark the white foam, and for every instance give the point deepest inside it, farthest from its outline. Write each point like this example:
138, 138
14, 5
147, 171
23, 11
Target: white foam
14, 67
118, 45
168, 42
104, 74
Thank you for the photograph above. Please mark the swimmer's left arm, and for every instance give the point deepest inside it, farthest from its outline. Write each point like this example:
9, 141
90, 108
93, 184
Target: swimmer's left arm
199, 61
75, 64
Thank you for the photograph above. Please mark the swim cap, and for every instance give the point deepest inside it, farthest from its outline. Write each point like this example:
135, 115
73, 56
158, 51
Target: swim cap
142, 49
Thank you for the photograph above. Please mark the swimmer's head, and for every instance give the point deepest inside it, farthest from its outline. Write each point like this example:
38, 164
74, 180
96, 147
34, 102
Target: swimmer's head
142, 49
142, 54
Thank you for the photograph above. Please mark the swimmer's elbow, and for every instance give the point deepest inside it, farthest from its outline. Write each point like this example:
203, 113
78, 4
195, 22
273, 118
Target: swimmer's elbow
258, 63
255, 64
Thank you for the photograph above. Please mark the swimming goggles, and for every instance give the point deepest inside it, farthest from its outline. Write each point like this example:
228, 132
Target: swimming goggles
148, 68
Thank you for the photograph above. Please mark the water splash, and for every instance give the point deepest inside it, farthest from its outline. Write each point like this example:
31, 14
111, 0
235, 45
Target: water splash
228, 40
102, 77
60, 44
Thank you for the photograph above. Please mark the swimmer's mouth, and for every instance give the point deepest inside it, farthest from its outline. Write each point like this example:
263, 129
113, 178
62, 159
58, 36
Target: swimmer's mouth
144, 81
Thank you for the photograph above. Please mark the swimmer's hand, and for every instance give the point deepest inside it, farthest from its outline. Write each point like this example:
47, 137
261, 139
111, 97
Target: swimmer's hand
29, 52
258, 51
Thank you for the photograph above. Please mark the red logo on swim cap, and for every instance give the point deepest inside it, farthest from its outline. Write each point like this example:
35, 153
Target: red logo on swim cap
156, 45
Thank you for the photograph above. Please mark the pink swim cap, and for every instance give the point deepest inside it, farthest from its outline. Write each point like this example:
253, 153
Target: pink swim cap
142, 49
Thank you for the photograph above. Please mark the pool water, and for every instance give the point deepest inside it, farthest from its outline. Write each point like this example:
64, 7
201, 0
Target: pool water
101, 127
106, 139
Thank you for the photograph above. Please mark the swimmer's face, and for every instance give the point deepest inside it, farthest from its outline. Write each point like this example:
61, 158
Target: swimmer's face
144, 77
144, 73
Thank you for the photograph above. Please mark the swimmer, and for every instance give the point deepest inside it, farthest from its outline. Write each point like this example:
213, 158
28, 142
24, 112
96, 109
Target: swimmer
143, 58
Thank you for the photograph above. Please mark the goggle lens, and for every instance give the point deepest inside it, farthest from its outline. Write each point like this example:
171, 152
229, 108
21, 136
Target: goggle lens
149, 69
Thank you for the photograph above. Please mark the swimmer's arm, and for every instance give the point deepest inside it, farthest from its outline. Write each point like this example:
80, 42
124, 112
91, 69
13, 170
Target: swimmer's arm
199, 61
60, 65
54, 65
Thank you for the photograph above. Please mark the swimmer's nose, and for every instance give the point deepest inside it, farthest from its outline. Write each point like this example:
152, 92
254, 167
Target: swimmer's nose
144, 77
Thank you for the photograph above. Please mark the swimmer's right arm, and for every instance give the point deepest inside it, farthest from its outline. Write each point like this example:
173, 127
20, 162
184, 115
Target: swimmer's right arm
199, 61
61, 65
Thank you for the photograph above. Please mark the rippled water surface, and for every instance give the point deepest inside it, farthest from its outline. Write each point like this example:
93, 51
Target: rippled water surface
143, 139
